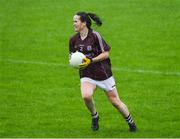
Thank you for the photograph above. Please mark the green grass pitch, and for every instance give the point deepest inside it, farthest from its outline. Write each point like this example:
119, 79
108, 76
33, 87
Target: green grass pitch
39, 91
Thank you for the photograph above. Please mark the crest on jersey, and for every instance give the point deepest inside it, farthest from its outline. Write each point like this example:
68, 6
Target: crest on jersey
89, 47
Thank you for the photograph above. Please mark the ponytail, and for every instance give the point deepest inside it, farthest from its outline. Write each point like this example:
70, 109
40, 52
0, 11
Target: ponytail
95, 18
86, 17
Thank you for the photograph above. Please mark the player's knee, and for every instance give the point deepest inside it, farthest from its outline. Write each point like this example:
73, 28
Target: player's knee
87, 99
87, 96
115, 102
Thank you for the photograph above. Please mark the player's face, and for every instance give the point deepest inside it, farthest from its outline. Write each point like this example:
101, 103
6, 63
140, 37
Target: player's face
78, 25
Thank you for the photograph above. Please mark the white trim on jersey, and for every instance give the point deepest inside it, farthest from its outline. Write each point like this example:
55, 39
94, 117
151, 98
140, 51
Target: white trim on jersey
104, 70
101, 46
100, 40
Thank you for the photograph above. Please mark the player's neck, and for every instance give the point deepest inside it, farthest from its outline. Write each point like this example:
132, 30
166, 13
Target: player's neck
84, 33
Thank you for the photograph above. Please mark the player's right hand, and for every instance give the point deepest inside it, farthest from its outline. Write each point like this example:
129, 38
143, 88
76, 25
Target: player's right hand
86, 62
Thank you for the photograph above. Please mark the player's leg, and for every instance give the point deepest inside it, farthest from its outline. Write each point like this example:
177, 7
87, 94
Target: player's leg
117, 103
121, 107
87, 90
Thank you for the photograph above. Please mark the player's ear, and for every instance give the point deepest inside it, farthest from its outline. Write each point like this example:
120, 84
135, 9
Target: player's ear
84, 23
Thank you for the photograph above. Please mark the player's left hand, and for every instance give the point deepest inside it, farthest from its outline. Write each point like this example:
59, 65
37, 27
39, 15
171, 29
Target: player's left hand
86, 62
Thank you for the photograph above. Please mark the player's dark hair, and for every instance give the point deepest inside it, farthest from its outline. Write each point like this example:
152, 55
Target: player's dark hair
86, 17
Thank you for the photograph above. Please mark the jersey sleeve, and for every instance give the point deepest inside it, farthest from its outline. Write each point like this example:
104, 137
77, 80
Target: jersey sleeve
101, 42
71, 46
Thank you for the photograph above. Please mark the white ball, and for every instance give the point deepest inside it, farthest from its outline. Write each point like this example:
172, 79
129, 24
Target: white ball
76, 59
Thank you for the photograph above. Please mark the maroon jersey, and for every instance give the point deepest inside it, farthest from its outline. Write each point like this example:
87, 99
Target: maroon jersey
92, 46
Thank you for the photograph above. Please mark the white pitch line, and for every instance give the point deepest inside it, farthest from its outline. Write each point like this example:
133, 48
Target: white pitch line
34, 62
142, 71
169, 73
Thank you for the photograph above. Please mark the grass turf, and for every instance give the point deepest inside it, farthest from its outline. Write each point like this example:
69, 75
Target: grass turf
39, 92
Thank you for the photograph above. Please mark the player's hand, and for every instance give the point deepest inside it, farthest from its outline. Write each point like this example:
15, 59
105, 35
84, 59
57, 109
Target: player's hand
86, 62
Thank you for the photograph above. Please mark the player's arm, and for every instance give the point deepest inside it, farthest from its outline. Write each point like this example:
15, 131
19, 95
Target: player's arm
104, 55
71, 47
104, 47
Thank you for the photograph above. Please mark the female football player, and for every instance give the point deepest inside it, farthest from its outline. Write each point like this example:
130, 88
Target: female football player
95, 71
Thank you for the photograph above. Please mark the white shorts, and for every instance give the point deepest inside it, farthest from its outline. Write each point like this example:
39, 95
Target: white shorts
107, 85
